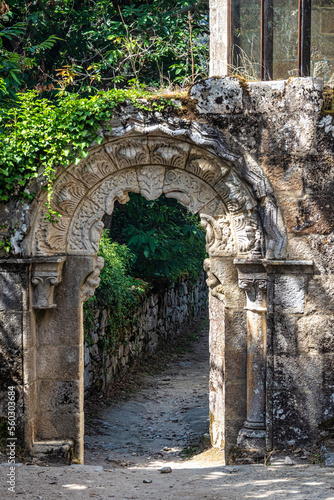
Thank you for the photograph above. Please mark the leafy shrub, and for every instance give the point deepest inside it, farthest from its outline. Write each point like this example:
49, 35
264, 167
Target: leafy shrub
165, 239
104, 44
118, 292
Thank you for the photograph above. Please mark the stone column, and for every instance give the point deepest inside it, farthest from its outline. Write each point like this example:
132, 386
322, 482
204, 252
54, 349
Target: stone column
218, 37
253, 280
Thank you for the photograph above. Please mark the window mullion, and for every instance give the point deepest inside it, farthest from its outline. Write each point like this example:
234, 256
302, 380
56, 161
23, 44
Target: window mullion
267, 39
304, 37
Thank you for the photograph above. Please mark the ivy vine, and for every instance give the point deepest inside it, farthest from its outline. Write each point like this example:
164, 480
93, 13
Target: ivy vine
39, 135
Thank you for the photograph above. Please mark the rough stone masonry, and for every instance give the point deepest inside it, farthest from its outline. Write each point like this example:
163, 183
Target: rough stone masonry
255, 161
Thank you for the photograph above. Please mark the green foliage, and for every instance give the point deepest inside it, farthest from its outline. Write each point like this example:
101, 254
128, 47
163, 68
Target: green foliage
14, 64
40, 135
165, 239
105, 44
118, 292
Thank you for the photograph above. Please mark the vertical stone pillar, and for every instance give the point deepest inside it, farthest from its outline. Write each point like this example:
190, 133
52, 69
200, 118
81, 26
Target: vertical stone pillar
57, 308
253, 280
227, 353
218, 37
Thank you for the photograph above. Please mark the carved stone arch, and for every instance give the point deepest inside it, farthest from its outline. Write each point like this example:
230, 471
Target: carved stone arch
151, 166
189, 164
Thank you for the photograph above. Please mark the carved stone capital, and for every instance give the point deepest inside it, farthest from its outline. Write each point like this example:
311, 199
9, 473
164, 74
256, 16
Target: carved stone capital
255, 288
213, 282
45, 276
93, 280
253, 280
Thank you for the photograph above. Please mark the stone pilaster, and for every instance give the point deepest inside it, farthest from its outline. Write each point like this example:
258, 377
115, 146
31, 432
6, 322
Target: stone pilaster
253, 280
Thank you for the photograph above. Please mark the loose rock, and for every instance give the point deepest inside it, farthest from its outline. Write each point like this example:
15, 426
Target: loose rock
288, 461
165, 470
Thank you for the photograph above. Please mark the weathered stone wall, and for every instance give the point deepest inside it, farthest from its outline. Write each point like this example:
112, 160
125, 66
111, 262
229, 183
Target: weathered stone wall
160, 317
281, 125
13, 322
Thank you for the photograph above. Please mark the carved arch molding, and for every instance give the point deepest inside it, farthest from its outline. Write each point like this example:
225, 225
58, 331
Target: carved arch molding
231, 196
196, 177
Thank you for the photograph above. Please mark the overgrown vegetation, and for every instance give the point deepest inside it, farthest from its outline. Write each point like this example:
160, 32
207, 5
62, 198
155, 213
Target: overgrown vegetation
66, 64
41, 135
165, 239
150, 239
101, 44
119, 292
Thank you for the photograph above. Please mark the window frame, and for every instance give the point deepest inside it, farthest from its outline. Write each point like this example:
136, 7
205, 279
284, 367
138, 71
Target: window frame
267, 38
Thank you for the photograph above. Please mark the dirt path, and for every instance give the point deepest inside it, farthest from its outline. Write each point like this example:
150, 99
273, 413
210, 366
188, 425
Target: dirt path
169, 414
160, 426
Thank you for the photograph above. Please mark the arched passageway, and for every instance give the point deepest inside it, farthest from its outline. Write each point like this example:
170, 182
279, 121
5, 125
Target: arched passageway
197, 170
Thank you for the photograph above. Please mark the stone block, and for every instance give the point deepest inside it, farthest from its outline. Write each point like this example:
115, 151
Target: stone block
235, 366
289, 294
290, 424
59, 362
284, 175
217, 373
314, 247
326, 405
264, 95
327, 18
217, 340
11, 330
306, 215
282, 333
236, 400
329, 459
235, 330
75, 270
59, 425
328, 371
300, 374
10, 292
216, 310
58, 395
59, 327
316, 333
320, 295
30, 365
325, 44
218, 96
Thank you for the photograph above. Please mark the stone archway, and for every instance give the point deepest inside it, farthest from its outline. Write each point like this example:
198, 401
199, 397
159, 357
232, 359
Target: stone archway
65, 272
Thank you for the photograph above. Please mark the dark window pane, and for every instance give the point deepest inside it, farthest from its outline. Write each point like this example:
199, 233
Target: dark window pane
285, 39
322, 40
247, 34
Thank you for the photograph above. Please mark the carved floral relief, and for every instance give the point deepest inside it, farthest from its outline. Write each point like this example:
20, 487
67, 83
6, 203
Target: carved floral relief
86, 230
150, 180
192, 177
219, 235
188, 190
114, 188
94, 168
